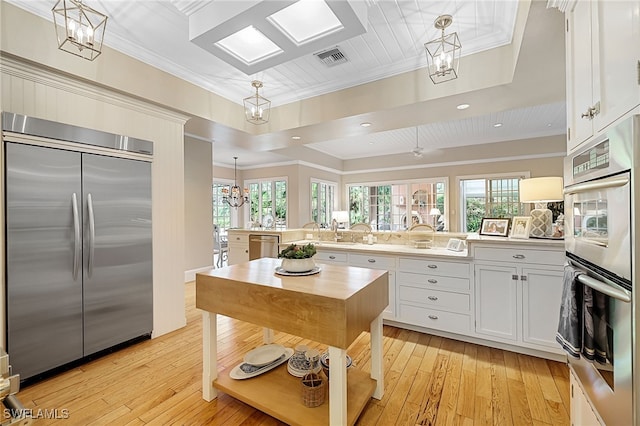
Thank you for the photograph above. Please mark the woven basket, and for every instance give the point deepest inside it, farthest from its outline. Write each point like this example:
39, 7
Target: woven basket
313, 390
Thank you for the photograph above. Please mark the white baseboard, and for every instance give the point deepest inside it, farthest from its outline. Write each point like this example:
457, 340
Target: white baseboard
191, 275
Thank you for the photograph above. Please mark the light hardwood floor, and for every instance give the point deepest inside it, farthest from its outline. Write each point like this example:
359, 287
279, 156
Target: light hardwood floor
428, 381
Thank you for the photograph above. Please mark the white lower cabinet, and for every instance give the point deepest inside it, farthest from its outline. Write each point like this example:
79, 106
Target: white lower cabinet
517, 299
238, 248
378, 261
582, 413
435, 294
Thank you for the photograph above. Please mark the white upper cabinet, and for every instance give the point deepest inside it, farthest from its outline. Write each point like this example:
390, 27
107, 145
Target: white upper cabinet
603, 66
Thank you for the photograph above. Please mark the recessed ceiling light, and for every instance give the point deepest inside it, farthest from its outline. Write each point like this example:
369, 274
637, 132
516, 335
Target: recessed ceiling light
463, 106
365, 124
295, 138
548, 124
497, 125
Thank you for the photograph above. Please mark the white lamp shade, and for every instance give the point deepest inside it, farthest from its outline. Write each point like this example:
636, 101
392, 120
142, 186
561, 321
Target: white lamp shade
435, 212
541, 189
341, 216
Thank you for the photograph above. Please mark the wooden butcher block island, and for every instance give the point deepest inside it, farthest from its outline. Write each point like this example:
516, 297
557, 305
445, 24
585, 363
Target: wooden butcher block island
331, 307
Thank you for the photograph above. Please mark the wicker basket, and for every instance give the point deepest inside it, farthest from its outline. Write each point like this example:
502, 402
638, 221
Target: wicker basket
313, 390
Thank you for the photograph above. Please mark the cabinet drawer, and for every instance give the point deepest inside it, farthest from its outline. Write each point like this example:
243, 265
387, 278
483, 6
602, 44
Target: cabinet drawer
434, 281
330, 257
435, 298
434, 267
372, 261
238, 238
517, 256
433, 318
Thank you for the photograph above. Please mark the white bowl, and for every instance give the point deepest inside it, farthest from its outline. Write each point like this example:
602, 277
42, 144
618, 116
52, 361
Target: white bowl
298, 265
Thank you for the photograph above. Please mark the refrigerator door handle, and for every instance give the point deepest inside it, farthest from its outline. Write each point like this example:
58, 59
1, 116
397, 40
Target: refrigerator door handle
76, 236
92, 234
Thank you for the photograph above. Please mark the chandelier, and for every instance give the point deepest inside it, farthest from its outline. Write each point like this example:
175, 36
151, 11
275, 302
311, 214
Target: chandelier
443, 54
235, 199
256, 107
79, 28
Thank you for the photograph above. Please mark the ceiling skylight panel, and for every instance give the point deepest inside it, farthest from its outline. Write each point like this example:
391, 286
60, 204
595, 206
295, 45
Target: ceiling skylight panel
306, 20
249, 45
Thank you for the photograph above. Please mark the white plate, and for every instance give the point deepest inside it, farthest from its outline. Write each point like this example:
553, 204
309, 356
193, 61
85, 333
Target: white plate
264, 355
267, 221
281, 271
237, 373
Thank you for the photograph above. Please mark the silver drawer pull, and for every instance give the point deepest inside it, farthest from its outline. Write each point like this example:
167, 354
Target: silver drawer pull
432, 281
237, 238
432, 266
434, 298
514, 277
332, 257
371, 260
433, 317
518, 256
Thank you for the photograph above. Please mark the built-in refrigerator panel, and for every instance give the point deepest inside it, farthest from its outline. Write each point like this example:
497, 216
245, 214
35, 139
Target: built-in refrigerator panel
117, 251
43, 249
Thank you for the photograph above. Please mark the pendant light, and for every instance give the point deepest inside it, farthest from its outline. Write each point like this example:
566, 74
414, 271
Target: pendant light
443, 53
256, 107
235, 199
79, 28
417, 151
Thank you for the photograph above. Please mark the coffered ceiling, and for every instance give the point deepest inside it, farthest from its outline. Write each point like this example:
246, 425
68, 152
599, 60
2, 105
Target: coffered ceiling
164, 34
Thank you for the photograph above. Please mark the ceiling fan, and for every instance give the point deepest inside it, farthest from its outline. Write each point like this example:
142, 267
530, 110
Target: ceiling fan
417, 151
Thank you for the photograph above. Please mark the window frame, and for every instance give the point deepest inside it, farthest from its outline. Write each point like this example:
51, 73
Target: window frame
329, 210
233, 218
273, 180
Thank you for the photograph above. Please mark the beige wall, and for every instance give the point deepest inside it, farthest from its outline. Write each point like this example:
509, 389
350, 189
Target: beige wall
198, 175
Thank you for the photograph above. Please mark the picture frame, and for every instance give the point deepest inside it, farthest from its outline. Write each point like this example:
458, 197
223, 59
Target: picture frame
520, 227
455, 244
495, 227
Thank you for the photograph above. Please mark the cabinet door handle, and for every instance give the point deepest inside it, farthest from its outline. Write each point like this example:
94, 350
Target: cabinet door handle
514, 277
433, 317
518, 256
371, 260
523, 277
432, 266
237, 238
432, 281
434, 298
332, 257
246, 251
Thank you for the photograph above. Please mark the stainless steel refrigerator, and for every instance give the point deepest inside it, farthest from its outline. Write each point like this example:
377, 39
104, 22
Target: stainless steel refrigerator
78, 254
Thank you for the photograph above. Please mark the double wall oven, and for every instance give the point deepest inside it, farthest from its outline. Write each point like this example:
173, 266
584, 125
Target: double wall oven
600, 240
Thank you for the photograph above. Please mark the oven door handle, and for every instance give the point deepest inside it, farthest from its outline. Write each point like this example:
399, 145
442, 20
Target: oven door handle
611, 182
618, 294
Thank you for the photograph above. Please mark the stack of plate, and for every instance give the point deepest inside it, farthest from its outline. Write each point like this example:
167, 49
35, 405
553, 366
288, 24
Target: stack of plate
261, 360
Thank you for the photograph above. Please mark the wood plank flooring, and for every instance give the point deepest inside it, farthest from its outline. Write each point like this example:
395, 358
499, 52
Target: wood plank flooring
429, 380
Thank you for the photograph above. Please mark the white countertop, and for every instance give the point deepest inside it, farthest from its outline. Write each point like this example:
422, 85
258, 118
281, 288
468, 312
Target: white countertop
384, 249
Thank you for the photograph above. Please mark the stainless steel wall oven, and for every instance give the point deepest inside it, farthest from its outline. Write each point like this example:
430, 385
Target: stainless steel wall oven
600, 242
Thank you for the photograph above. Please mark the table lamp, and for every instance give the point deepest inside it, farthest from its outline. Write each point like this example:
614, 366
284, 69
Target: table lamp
435, 212
341, 217
541, 191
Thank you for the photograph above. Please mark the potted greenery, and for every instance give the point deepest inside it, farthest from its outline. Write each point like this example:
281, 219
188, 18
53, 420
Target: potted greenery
296, 258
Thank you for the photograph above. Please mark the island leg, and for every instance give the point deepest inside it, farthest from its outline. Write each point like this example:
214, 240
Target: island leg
377, 367
209, 354
338, 386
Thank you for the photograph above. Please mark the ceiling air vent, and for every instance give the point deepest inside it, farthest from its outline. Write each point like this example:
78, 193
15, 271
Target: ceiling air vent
331, 57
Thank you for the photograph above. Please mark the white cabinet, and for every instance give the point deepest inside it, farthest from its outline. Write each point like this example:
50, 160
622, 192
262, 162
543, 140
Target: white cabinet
435, 294
517, 293
603, 68
334, 257
238, 248
377, 261
582, 413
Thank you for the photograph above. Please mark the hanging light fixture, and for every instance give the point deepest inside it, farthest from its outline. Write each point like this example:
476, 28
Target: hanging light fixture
257, 108
79, 28
235, 199
417, 151
443, 54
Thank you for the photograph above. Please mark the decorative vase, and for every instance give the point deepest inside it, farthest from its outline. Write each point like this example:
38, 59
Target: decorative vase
298, 265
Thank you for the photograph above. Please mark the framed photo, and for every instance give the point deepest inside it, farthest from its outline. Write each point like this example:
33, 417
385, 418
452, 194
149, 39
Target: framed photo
497, 227
520, 227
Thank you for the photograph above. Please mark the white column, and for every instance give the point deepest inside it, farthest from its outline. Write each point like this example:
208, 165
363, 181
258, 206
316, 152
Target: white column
337, 386
377, 367
209, 354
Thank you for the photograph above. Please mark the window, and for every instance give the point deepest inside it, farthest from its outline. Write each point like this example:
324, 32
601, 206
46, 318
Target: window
323, 199
488, 197
221, 210
269, 197
398, 206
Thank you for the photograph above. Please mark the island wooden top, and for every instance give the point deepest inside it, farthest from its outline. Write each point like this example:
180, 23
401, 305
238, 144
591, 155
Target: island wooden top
331, 307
